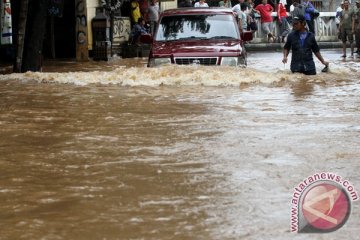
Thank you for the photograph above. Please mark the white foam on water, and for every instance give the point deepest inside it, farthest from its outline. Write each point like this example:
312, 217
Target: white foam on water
168, 75
179, 75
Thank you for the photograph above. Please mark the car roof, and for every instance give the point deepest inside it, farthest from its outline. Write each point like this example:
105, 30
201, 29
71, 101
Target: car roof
193, 10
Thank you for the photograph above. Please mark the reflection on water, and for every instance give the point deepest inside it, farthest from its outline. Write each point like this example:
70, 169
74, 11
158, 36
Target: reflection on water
172, 153
302, 88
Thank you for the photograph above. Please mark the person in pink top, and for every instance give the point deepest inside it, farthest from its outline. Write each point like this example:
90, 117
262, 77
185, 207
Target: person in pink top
282, 20
265, 10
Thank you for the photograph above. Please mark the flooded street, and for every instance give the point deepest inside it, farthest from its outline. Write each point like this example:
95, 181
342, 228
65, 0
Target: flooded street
125, 152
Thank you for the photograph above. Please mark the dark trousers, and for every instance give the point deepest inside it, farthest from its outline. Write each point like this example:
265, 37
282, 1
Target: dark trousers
357, 36
310, 24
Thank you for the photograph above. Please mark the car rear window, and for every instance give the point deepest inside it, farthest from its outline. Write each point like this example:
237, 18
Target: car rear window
184, 27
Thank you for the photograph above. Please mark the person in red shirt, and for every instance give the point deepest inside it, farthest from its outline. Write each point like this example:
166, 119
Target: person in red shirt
282, 20
265, 10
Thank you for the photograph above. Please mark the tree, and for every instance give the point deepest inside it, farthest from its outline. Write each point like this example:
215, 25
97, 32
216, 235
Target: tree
31, 59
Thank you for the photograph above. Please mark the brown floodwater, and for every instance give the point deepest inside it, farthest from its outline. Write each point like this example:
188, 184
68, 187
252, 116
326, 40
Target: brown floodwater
114, 150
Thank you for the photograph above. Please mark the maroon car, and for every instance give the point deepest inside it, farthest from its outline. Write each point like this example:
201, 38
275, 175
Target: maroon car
204, 36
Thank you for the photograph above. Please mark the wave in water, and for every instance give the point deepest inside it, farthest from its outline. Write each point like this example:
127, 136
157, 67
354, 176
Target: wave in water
180, 75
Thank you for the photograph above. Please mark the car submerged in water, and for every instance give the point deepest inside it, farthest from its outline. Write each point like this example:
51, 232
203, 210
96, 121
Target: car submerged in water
198, 36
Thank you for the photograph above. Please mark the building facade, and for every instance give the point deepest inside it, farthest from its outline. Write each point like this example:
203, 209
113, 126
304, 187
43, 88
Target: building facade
69, 31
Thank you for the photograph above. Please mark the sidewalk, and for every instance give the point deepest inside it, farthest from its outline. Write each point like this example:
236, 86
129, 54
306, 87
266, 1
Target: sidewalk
279, 46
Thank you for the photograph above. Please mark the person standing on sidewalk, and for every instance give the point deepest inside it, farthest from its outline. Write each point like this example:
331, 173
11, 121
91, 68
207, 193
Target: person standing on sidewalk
302, 44
265, 10
252, 24
225, 3
296, 9
240, 10
201, 3
135, 12
154, 12
282, 20
309, 8
347, 22
357, 27
338, 14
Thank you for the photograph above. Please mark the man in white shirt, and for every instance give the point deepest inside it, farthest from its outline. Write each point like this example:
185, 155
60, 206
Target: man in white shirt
237, 7
201, 3
154, 11
240, 9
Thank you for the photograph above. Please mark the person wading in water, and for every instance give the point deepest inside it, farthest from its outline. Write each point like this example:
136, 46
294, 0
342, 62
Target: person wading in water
303, 44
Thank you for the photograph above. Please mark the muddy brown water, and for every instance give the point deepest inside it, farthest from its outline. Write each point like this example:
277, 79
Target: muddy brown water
113, 150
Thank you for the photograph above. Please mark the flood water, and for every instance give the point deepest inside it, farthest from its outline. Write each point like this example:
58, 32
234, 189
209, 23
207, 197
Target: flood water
114, 150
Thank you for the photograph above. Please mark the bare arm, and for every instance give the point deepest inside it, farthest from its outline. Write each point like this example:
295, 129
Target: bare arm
278, 13
240, 25
321, 59
271, 9
285, 53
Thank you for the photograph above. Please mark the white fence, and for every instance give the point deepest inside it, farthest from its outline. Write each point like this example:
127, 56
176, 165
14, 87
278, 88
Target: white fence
325, 28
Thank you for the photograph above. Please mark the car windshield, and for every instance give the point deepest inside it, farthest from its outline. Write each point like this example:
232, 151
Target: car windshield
182, 27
